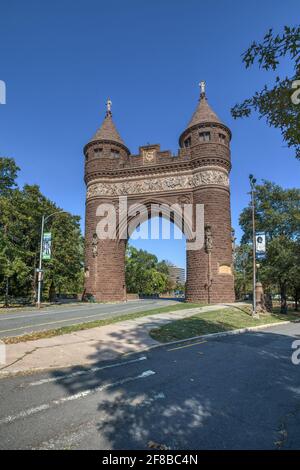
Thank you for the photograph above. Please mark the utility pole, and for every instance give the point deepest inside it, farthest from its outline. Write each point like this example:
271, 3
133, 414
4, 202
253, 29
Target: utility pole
252, 184
40, 270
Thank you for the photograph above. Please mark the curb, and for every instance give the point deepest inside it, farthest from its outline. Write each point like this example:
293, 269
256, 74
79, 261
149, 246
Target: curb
220, 334
6, 374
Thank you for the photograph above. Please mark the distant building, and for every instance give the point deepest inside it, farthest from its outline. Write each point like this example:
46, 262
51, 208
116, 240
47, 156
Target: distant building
176, 275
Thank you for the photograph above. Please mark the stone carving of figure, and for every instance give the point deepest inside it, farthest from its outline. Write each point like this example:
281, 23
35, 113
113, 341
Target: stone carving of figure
202, 87
95, 245
208, 239
233, 239
184, 199
108, 106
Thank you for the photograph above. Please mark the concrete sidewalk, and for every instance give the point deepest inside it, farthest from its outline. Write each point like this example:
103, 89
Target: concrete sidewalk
90, 346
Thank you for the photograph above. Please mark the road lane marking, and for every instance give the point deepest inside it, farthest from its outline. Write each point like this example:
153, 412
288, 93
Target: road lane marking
52, 312
82, 372
84, 316
65, 320
67, 439
60, 401
187, 345
60, 311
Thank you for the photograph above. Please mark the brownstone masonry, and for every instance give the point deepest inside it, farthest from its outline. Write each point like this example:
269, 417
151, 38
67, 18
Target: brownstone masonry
198, 174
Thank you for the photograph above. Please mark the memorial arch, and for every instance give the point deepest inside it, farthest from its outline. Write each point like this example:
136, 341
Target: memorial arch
198, 175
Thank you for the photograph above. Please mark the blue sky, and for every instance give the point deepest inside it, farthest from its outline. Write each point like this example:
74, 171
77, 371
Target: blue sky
62, 59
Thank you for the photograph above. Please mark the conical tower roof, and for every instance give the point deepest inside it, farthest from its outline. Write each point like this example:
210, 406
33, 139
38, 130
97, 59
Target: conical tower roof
203, 113
108, 130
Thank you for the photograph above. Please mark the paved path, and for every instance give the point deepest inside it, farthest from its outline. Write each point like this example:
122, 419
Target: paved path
86, 346
15, 324
234, 392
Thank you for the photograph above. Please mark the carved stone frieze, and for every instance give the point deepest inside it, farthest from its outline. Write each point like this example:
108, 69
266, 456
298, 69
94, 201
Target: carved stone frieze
159, 184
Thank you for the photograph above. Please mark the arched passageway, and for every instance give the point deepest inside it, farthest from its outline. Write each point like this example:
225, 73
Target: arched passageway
197, 177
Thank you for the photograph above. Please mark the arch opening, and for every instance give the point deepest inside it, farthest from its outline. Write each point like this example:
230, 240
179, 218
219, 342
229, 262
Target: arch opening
158, 247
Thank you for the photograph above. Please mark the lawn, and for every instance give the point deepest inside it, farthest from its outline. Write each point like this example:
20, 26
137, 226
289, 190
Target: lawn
96, 323
214, 322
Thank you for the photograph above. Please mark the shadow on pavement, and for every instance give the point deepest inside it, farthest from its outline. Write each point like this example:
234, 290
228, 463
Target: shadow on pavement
235, 392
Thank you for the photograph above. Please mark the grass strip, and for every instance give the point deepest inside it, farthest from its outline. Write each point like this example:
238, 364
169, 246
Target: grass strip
94, 324
215, 322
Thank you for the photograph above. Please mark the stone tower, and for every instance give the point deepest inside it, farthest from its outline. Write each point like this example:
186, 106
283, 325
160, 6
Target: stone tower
198, 174
210, 276
104, 259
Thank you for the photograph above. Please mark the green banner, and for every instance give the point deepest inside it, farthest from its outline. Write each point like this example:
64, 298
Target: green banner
47, 245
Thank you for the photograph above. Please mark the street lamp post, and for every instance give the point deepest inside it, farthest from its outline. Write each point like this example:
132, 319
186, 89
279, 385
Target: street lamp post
252, 184
40, 270
40, 265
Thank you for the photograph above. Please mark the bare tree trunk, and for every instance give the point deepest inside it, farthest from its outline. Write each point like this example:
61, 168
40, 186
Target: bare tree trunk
52, 293
283, 299
6, 302
296, 299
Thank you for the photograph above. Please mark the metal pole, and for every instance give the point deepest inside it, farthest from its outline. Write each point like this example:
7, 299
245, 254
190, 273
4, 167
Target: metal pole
254, 250
44, 219
209, 276
40, 265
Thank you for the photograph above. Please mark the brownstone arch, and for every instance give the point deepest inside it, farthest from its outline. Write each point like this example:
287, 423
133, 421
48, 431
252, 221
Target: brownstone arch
198, 174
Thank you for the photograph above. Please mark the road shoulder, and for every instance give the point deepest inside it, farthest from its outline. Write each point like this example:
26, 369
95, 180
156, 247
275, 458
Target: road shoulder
102, 344
89, 346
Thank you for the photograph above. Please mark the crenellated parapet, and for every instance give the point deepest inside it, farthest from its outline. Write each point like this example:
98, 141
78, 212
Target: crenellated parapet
197, 174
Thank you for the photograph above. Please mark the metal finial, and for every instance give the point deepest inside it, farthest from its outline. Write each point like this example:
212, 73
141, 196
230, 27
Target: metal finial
108, 106
202, 88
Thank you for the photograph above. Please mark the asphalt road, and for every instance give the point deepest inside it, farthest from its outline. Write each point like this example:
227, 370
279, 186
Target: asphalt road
15, 324
234, 392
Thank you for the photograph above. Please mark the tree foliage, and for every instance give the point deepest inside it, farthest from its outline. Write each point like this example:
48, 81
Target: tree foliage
8, 174
21, 211
277, 213
144, 274
242, 259
275, 103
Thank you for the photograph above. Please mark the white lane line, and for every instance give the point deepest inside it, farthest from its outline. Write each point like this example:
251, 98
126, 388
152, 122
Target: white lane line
78, 309
33, 325
51, 312
62, 311
83, 372
57, 312
72, 439
77, 396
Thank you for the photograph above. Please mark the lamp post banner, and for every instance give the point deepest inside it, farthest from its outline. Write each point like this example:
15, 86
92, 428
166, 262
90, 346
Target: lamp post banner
47, 245
260, 244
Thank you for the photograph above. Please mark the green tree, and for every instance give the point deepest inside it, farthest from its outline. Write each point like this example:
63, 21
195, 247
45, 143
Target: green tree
8, 175
278, 214
64, 271
9, 261
242, 258
163, 267
144, 274
294, 282
21, 212
275, 103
